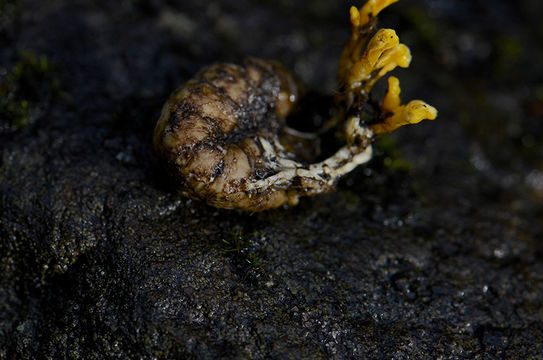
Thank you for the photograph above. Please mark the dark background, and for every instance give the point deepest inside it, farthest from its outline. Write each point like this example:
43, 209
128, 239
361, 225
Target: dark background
432, 250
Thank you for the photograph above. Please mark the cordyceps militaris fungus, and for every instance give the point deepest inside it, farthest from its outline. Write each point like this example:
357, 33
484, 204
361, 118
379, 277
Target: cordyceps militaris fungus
220, 135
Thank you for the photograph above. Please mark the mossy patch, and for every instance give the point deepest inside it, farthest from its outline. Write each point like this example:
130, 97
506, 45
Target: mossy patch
9, 11
425, 27
25, 91
244, 249
389, 152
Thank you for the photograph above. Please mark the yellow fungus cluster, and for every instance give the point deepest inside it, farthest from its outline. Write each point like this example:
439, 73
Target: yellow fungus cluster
399, 115
365, 60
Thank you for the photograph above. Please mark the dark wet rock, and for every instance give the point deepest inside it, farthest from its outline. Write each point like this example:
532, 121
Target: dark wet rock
431, 251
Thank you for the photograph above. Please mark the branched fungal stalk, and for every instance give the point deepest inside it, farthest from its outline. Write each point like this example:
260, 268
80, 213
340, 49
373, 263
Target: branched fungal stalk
224, 138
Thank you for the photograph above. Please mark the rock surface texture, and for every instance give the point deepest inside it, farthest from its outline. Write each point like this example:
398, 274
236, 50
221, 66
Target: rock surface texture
433, 250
